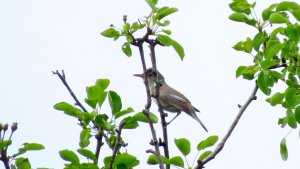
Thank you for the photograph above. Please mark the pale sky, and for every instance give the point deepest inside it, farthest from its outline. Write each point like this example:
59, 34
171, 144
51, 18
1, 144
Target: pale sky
37, 37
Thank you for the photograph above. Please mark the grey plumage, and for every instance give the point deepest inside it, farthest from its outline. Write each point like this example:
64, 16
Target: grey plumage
170, 99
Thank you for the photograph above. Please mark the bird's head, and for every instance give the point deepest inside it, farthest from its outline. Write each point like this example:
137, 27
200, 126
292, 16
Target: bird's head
151, 75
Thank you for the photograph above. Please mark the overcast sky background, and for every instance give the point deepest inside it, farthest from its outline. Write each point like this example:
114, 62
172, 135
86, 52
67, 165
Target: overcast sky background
37, 37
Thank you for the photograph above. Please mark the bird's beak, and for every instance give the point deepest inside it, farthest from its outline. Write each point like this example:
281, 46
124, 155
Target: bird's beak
139, 75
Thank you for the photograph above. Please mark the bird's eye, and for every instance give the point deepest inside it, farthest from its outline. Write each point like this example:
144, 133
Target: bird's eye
150, 74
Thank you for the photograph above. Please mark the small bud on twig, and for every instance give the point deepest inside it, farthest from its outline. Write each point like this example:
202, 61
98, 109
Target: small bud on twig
14, 127
5, 127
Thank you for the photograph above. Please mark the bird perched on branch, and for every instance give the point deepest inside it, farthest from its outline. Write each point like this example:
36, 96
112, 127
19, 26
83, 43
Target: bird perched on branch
170, 99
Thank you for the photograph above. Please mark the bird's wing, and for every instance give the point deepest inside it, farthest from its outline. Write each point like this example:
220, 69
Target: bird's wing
173, 97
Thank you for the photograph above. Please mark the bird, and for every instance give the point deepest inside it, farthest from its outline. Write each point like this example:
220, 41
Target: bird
170, 99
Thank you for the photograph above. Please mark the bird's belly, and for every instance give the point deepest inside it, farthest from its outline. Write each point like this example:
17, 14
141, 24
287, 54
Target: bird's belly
166, 106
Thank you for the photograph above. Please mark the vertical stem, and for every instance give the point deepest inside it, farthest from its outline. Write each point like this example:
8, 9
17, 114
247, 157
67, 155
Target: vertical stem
160, 109
147, 107
99, 138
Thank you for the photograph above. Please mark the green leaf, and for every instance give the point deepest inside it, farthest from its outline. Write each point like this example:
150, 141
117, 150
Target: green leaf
245, 46
290, 96
283, 149
143, 118
263, 84
152, 3
239, 71
111, 33
183, 145
85, 136
126, 159
68, 109
165, 40
23, 163
287, 6
282, 122
96, 94
88, 154
126, 28
291, 119
114, 101
165, 11
297, 114
168, 32
276, 99
259, 39
127, 49
69, 155
268, 11
204, 155
131, 123
241, 6
296, 14
266, 64
240, 17
107, 160
177, 161
208, 142
272, 50
102, 83
164, 23
4, 144
277, 17
33, 146
123, 112
179, 49
152, 160
101, 121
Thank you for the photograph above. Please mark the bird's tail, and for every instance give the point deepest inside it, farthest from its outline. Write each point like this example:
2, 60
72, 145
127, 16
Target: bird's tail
196, 118
192, 113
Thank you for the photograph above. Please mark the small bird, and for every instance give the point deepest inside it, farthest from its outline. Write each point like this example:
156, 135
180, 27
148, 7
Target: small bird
170, 99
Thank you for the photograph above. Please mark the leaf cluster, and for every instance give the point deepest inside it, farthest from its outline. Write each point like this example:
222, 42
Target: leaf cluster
275, 54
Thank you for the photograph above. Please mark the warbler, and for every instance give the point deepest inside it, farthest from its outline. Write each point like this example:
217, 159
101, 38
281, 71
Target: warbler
170, 99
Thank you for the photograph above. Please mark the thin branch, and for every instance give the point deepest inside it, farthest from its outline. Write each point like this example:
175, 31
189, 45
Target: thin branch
147, 106
165, 144
117, 144
220, 146
62, 77
99, 138
4, 159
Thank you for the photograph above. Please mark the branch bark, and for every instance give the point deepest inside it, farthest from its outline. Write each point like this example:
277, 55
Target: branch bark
164, 143
220, 146
62, 77
117, 144
148, 105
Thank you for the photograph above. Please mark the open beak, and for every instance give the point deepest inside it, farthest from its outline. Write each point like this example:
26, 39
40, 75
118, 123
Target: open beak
139, 75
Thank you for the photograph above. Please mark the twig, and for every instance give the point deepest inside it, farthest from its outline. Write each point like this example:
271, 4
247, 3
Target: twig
117, 144
62, 77
220, 146
152, 44
4, 158
99, 137
147, 106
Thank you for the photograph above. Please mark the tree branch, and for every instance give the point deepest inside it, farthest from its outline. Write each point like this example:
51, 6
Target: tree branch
165, 144
147, 106
4, 158
117, 144
99, 138
62, 77
220, 146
